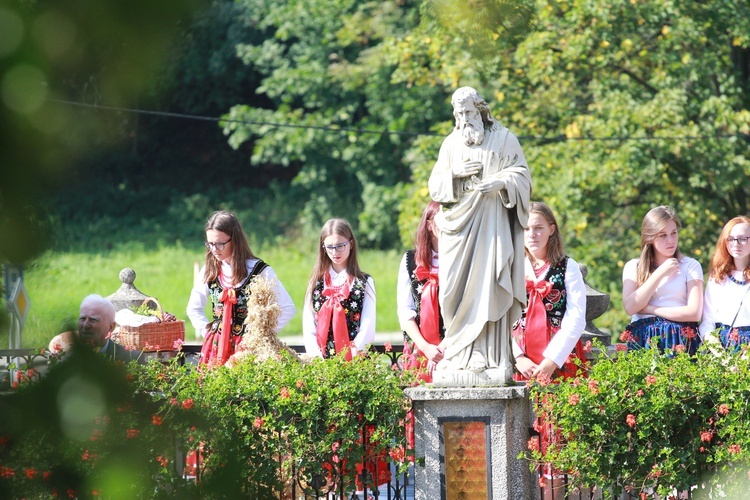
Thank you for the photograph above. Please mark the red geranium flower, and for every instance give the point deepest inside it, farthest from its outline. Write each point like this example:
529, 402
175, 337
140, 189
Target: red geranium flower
188, 403
156, 419
594, 386
284, 393
630, 420
533, 444
723, 409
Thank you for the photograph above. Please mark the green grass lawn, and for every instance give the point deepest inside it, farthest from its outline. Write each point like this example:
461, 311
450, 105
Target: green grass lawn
57, 282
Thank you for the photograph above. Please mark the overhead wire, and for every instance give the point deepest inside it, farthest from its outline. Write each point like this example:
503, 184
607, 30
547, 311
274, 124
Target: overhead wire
333, 128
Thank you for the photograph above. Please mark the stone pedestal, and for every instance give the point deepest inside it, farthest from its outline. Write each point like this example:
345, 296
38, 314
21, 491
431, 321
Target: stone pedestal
467, 442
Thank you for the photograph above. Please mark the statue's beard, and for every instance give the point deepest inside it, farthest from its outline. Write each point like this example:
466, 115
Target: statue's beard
473, 132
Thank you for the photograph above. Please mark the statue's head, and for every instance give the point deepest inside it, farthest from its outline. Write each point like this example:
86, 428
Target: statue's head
472, 115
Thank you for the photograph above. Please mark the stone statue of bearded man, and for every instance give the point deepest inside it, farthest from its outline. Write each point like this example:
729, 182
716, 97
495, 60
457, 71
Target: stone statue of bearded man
483, 183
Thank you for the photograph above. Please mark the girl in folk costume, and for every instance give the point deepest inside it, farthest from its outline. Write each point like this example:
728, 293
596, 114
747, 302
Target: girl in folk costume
551, 326
227, 275
662, 289
339, 316
417, 299
727, 298
339, 311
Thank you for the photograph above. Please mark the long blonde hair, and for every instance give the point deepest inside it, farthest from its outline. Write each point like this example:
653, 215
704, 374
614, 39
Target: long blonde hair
722, 264
323, 263
653, 223
555, 251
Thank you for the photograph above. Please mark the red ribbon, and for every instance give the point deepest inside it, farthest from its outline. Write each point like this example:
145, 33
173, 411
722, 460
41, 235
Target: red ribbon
228, 297
429, 310
332, 312
536, 336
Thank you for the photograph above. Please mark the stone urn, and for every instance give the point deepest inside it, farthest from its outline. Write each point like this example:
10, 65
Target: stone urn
127, 296
596, 305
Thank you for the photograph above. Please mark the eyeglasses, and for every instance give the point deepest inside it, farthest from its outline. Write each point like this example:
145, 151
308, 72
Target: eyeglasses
218, 245
339, 247
740, 240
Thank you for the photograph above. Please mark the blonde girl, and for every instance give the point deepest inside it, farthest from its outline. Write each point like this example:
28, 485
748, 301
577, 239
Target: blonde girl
662, 289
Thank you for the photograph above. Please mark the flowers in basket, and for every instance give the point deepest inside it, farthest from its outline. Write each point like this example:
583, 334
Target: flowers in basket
148, 329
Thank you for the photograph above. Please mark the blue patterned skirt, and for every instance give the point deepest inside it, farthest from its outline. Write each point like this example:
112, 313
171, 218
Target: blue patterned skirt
668, 334
733, 338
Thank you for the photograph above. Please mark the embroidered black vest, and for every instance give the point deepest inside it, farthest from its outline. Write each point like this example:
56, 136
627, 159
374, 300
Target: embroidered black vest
239, 311
556, 300
416, 292
352, 308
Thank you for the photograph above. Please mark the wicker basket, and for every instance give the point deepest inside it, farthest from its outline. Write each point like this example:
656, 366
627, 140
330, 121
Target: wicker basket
151, 336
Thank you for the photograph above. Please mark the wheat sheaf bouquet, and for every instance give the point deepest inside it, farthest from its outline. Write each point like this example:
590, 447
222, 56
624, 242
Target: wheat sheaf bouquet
260, 341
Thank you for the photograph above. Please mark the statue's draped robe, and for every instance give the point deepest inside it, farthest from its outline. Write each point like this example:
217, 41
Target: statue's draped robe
481, 274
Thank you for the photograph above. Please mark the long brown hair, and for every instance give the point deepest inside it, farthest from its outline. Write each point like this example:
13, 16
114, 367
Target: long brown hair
555, 250
653, 223
323, 262
227, 223
423, 237
722, 264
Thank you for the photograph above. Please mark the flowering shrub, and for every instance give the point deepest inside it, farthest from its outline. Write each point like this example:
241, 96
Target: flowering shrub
82, 430
91, 427
652, 424
301, 414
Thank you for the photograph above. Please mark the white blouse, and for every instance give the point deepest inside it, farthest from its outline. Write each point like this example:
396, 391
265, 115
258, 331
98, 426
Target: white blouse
366, 334
199, 297
406, 309
574, 320
672, 290
722, 303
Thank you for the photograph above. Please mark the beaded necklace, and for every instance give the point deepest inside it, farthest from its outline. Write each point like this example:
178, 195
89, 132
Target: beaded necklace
735, 280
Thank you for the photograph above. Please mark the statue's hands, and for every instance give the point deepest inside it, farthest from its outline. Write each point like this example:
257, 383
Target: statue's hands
489, 186
467, 168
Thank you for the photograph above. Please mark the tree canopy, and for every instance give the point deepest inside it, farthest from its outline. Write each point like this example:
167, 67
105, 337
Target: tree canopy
338, 107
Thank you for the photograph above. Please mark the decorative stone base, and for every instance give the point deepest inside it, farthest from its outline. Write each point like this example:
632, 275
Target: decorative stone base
467, 441
492, 377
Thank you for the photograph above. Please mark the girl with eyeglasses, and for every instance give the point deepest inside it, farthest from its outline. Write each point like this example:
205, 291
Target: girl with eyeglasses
663, 289
339, 310
417, 299
727, 300
339, 315
226, 280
